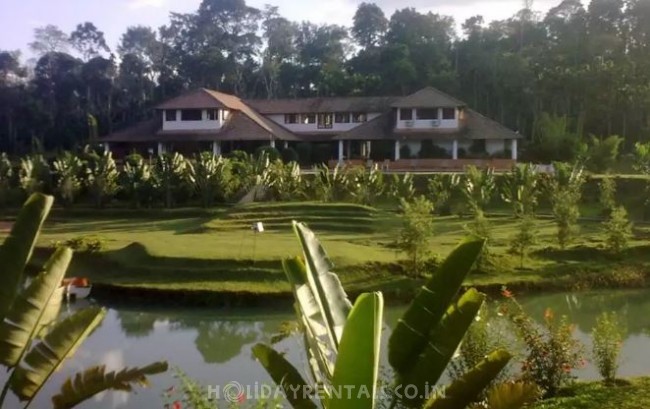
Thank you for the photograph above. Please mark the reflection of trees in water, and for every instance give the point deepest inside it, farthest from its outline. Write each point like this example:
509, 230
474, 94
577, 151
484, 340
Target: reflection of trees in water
220, 341
137, 324
632, 306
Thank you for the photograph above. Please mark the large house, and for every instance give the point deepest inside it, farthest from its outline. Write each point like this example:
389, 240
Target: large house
426, 124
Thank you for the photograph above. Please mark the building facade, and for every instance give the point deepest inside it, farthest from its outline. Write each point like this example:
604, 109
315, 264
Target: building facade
426, 125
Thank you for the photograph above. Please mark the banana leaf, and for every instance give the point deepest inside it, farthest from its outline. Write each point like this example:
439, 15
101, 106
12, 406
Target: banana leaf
467, 389
443, 342
357, 364
94, 380
311, 318
411, 333
37, 306
285, 376
17, 248
325, 286
50, 353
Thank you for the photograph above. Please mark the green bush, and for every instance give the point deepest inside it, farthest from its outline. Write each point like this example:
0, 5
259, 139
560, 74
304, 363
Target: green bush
416, 231
618, 231
83, 244
271, 152
608, 336
289, 155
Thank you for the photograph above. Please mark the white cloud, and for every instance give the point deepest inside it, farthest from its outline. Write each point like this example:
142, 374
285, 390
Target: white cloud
141, 4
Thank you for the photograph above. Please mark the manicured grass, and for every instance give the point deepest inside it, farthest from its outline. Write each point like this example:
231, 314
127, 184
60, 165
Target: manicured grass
632, 394
218, 251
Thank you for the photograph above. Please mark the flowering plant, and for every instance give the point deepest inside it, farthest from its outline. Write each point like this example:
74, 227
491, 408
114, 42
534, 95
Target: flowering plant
551, 350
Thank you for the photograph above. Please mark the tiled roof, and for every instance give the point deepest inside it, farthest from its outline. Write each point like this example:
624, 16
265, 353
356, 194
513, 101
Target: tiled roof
323, 104
476, 126
198, 99
428, 97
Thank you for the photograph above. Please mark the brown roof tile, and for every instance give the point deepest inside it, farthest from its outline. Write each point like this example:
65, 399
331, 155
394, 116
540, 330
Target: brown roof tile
428, 97
198, 99
322, 104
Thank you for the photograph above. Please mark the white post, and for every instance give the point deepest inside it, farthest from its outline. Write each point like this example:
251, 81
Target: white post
396, 149
454, 150
369, 148
107, 147
340, 150
216, 148
161, 148
272, 144
513, 148
286, 145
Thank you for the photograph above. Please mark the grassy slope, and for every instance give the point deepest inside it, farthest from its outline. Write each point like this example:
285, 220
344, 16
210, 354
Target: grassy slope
218, 251
633, 395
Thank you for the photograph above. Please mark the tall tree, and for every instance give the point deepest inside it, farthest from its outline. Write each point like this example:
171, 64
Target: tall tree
49, 39
88, 41
370, 25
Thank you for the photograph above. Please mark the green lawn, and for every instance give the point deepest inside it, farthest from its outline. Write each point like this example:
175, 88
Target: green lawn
632, 394
218, 251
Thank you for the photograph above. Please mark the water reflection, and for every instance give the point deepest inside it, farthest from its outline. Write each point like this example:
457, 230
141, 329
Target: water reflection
214, 346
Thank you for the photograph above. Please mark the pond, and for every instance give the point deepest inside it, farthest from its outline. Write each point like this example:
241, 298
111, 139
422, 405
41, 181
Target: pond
213, 346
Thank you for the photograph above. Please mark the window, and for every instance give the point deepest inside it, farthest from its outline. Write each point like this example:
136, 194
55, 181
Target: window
308, 118
405, 114
427, 113
291, 118
324, 121
191, 115
448, 113
359, 117
342, 117
170, 115
213, 114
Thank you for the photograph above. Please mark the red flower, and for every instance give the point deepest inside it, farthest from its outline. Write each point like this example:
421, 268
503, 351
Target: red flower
177, 405
566, 367
506, 293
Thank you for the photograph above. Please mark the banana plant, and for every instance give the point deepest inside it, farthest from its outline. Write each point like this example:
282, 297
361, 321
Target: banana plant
33, 344
67, 169
102, 177
520, 189
343, 344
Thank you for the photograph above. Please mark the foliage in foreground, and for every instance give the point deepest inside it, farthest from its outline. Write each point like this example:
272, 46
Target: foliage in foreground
34, 343
343, 341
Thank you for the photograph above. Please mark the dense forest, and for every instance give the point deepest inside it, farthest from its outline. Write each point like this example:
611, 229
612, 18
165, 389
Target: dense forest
575, 73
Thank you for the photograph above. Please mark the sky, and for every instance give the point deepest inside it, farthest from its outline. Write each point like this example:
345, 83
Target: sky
19, 17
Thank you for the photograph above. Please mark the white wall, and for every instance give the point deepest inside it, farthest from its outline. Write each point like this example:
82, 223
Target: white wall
427, 123
201, 125
336, 127
493, 146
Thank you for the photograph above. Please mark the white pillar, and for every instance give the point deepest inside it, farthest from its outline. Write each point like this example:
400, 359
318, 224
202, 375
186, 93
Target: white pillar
340, 150
369, 148
107, 147
513, 148
272, 144
396, 149
286, 145
454, 150
216, 148
161, 148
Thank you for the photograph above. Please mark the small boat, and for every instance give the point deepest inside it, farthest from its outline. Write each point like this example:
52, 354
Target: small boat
76, 288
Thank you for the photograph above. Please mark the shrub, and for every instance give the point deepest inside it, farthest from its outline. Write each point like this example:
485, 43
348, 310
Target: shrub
283, 181
524, 239
34, 174
607, 193
565, 191
618, 231
6, 175
443, 189
608, 336
402, 187
551, 350
102, 177
416, 231
520, 189
603, 152
67, 169
289, 155
365, 186
269, 151
83, 244
304, 150
170, 176
211, 177
478, 186
330, 186
137, 180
